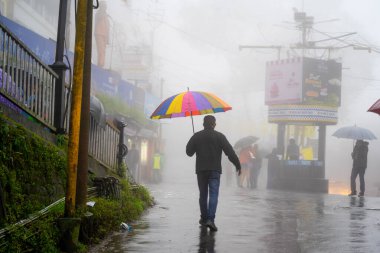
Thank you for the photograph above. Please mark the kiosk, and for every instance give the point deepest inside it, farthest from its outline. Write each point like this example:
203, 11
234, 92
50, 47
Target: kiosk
301, 92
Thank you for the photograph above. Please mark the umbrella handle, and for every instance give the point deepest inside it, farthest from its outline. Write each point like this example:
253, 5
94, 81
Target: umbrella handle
192, 122
191, 114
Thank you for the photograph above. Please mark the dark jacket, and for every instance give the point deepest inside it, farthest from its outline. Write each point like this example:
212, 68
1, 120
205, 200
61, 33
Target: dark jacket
292, 152
359, 155
208, 145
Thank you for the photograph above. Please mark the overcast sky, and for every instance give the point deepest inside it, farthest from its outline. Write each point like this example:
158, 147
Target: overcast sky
196, 45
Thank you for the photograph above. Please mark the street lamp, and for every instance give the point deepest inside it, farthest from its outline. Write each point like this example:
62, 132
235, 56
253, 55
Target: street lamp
60, 68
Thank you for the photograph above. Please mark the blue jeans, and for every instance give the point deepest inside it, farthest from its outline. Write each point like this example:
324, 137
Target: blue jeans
208, 184
354, 173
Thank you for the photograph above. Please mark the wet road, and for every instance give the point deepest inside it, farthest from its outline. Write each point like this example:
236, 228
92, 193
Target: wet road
253, 221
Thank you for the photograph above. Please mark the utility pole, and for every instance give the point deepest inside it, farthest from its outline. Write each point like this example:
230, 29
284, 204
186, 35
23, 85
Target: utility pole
69, 224
75, 112
304, 23
81, 192
280, 127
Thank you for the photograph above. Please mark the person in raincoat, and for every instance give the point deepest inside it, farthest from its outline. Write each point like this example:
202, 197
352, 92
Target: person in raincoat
208, 146
157, 166
255, 166
359, 157
245, 158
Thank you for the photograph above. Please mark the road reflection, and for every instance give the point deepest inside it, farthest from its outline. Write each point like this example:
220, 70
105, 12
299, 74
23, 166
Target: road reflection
357, 225
206, 241
254, 221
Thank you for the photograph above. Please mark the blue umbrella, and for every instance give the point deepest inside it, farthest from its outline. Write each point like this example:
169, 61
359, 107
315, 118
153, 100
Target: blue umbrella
354, 133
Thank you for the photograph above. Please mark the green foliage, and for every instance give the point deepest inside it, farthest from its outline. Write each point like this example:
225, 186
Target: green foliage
108, 214
40, 236
62, 141
122, 170
32, 171
33, 175
116, 105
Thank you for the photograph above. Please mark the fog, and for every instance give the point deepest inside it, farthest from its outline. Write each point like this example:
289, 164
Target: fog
195, 44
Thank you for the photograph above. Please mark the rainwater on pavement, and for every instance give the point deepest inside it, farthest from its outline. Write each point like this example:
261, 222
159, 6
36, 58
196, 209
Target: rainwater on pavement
258, 220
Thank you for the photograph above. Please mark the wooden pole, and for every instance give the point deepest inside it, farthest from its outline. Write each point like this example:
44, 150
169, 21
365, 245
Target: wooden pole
75, 112
81, 193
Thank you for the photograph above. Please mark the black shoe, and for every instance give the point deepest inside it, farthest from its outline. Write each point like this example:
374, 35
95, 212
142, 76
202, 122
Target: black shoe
352, 194
361, 194
202, 222
211, 225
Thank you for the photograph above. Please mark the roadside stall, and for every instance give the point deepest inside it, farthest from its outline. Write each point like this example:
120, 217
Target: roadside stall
303, 96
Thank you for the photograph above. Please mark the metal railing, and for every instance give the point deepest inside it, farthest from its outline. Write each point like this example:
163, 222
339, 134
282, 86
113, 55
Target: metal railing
30, 84
103, 143
25, 79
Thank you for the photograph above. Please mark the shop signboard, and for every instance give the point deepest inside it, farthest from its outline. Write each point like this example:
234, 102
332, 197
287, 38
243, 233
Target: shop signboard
308, 114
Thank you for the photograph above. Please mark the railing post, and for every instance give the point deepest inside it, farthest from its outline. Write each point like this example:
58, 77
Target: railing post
123, 150
60, 68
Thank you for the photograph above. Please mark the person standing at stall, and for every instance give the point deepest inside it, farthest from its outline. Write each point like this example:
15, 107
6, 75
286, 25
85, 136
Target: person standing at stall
292, 151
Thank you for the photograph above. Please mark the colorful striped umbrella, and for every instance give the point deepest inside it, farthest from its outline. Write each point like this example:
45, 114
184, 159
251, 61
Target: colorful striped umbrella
190, 103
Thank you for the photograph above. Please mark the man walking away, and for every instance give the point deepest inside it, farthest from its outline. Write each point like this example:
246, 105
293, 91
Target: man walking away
208, 145
359, 156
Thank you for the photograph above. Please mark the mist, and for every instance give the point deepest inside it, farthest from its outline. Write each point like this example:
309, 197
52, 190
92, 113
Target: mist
195, 45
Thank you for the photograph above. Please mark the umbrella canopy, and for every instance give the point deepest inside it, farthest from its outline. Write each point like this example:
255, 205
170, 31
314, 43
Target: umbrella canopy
245, 142
190, 103
375, 107
354, 133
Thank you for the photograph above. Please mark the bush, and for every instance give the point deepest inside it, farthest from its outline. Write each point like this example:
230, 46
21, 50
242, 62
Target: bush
32, 176
40, 236
108, 213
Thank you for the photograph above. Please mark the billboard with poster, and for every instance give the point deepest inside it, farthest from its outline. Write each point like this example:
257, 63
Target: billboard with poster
303, 81
321, 82
284, 82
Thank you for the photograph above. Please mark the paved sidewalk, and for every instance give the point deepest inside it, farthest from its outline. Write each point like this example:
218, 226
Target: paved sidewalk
254, 221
